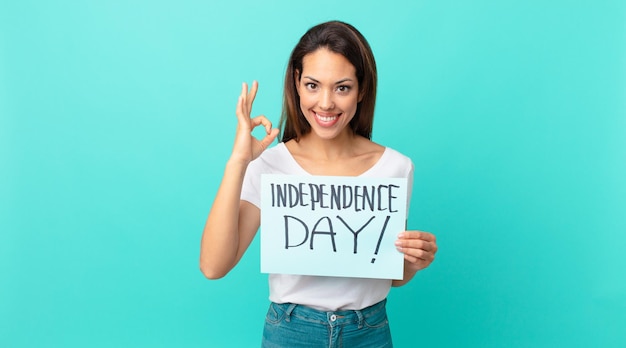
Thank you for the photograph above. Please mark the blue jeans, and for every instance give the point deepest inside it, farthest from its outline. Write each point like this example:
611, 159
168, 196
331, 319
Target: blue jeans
291, 325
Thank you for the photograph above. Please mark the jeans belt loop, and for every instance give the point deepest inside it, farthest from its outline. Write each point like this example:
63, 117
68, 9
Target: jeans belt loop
289, 310
359, 314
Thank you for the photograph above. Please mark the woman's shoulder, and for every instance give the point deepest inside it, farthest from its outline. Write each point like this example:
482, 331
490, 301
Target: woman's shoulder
394, 163
276, 152
277, 160
367, 145
396, 155
385, 152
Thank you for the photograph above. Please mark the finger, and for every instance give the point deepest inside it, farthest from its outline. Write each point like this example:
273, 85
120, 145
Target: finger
417, 235
244, 90
416, 263
262, 120
418, 254
416, 244
242, 119
412, 259
244, 97
251, 95
239, 110
269, 138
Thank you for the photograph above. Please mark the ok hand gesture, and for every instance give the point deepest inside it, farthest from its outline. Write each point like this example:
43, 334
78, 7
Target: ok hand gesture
247, 147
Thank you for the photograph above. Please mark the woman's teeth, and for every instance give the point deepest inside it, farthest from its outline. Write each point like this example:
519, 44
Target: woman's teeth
326, 118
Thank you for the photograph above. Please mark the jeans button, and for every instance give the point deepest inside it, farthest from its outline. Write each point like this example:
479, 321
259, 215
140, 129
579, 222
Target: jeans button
333, 317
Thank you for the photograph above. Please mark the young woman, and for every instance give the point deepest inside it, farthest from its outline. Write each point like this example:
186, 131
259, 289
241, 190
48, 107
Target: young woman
329, 98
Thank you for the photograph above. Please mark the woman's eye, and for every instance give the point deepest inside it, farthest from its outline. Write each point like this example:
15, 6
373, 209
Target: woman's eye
311, 86
343, 89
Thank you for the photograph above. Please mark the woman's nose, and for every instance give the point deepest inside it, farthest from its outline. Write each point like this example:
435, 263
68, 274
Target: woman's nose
326, 100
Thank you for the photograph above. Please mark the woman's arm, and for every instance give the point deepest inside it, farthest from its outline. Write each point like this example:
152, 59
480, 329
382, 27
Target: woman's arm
230, 226
232, 223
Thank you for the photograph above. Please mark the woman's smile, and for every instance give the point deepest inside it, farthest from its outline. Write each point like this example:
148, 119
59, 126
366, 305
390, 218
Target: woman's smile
326, 119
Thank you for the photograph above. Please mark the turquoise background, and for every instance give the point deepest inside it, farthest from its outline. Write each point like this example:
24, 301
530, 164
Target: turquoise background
118, 116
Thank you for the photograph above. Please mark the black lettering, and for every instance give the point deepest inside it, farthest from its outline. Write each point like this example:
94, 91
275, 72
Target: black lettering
306, 231
293, 196
356, 234
382, 233
335, 197
369, 197
347, 204
321, 195
391, 197
281, 195
302, 194
314, 195
358, 195
331, 233
380, 197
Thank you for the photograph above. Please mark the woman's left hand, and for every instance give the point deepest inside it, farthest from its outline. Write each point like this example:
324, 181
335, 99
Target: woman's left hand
418, 247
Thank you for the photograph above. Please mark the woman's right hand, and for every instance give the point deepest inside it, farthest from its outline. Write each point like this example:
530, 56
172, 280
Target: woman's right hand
247, 147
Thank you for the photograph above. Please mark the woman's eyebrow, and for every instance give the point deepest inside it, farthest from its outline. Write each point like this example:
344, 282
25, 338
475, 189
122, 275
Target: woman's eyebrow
310, 78
347, 79
344, 80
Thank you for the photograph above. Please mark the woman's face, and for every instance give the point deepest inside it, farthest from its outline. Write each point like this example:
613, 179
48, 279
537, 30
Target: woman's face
329, 92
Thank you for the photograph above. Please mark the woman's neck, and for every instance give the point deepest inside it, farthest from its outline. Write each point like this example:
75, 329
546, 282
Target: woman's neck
349, 155
342, 146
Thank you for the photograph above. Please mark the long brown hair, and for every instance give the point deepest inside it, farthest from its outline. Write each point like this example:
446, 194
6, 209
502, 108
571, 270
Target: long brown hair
344, 39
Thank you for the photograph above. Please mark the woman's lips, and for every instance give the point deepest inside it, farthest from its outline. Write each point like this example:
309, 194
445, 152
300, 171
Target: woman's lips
326, 120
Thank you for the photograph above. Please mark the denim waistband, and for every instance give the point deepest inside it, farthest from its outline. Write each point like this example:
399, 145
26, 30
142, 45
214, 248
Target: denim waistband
333, 317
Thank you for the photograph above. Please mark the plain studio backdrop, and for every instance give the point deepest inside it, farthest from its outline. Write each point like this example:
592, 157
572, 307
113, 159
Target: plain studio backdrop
117, 117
